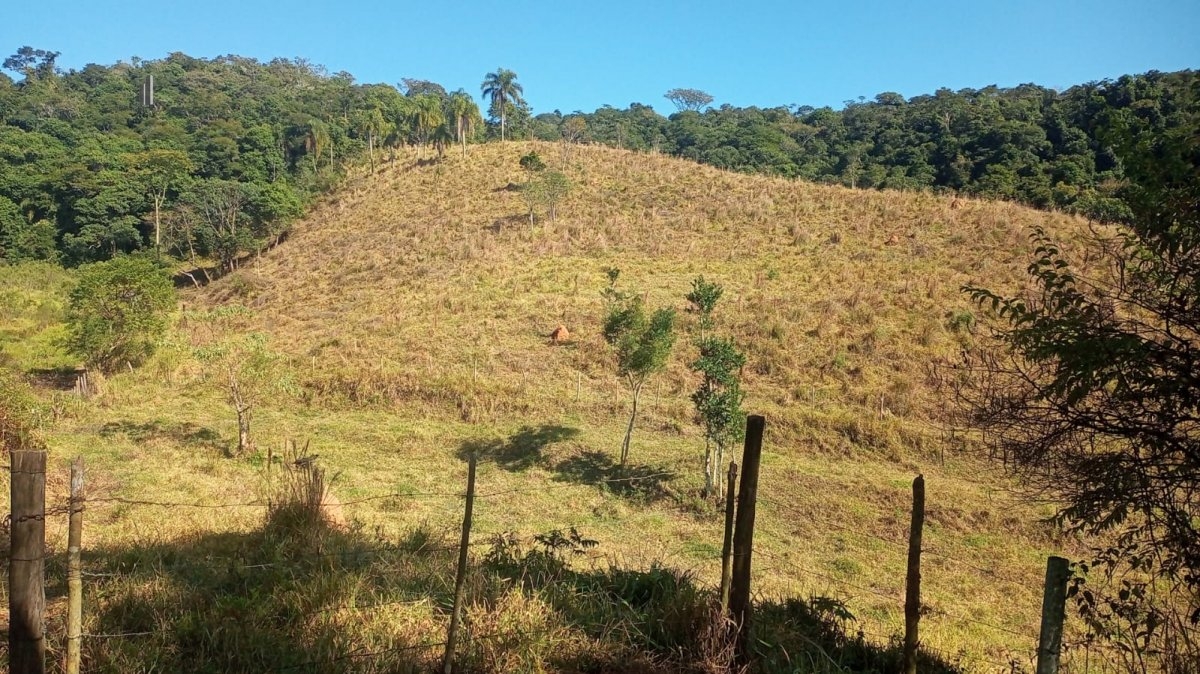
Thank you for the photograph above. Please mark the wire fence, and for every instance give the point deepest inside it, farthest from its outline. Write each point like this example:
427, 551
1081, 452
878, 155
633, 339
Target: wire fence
780, 564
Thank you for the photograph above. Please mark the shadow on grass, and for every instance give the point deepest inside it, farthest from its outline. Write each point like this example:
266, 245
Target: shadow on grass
520, 451
665, 616
183, 433
642, 483
293, 596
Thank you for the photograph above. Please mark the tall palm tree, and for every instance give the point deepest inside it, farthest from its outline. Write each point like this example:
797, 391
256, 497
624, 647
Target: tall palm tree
502, 88
465, 114
316, 138
425, 117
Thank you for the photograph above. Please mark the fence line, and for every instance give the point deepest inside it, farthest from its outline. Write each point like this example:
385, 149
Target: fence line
227, 562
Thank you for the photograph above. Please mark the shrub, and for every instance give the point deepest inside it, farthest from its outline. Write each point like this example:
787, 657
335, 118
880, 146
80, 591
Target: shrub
118, 311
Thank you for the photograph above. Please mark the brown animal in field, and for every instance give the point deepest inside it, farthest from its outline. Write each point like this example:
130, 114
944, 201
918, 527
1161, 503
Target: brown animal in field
892, 240
560, 335
955, 204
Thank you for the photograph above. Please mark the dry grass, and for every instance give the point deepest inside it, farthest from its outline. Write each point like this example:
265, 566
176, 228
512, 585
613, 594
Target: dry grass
414, 309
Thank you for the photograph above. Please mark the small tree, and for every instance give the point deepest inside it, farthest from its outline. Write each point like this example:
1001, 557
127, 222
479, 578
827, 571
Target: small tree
718, 402
242, 365
703, 298
718, 398
118, 311
641, 343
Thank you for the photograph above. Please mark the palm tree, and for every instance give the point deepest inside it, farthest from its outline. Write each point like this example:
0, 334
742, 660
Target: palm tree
502, 88
465, 114
426, 116
316, 138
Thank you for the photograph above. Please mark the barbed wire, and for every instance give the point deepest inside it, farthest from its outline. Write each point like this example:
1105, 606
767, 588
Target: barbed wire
885, 595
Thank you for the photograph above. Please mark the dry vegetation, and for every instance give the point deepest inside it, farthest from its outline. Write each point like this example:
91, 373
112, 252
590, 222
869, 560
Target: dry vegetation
414, 309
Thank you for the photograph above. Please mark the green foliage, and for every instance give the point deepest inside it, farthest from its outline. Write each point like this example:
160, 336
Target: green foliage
718, 398
642, 344
93, 174
1093, 394
704, 297
118, 311
20, 415
242, 365
504, 95
688, 99
532, 162
21, 240
546, 189
1028, 143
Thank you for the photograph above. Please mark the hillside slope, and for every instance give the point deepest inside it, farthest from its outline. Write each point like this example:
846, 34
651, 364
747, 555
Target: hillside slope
412, 312
426, 284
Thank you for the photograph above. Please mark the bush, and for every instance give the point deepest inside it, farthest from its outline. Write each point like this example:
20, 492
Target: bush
118, 311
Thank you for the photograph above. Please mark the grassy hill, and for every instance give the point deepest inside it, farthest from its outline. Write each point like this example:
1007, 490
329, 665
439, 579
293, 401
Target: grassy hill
409, 317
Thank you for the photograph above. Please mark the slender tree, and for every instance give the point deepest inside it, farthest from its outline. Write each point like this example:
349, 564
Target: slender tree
465, 114
158, 171
502, 89
642, 343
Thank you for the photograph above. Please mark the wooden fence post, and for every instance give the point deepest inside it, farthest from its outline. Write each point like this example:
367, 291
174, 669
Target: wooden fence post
74, 569
1054, 611
727, 545
743, 539
27, 567
912, 583
460, 576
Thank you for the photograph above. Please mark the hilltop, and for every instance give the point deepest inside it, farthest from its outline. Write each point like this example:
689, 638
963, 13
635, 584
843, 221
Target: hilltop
410, 313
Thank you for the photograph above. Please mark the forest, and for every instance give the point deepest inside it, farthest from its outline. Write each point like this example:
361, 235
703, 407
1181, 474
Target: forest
221, 154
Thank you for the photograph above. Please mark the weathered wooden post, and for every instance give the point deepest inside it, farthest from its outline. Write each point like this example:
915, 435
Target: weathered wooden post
727, 545
1054, 612
460, 576
743, 539
26, 570
74, 569
912, 583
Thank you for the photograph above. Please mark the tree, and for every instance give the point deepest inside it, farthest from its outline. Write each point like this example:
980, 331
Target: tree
688, 99
718, 401
545, 188
23, 240
642, 343
502, 89
371, 124
158, 171
425, 117
225, 228
718, 398
465, 114
1090, 391
242, 365
118, 311
32, 63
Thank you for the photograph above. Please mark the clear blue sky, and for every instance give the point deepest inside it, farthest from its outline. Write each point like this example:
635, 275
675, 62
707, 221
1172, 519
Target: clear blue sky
577, 56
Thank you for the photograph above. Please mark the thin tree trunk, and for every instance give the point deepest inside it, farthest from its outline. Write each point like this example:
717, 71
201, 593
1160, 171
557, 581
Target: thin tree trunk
708, 468
157, 225
637, 392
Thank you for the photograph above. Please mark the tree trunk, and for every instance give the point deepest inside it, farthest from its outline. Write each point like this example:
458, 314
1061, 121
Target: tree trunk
157, 224
501, 122
371, 149
637, 392
708, 468
243, 415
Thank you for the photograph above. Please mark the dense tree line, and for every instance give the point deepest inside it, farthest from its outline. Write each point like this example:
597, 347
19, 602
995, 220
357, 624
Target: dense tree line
228, 154
232, 148
1026, 143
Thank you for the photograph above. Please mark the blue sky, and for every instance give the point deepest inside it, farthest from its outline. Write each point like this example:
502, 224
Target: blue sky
574, 56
